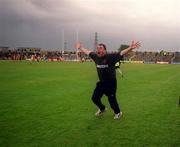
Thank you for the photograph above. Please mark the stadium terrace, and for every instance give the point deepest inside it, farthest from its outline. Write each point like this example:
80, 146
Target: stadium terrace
26, 53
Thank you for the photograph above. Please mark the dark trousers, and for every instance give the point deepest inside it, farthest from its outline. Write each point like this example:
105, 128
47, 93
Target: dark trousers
109, 89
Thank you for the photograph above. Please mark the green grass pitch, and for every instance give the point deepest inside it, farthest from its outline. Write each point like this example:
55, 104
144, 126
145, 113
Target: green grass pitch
48, 104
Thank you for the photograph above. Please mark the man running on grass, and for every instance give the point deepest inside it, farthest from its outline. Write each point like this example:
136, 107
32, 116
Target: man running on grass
107, 84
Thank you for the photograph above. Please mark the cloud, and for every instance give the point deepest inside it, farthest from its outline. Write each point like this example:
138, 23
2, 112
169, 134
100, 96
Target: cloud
40, 22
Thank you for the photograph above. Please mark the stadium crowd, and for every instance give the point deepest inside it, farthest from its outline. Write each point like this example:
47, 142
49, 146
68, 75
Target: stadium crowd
43, 55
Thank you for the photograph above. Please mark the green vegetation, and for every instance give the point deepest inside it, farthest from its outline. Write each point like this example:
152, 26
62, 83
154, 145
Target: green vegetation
48, 104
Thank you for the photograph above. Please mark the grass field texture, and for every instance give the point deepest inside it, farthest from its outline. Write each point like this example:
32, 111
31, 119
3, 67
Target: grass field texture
48, 104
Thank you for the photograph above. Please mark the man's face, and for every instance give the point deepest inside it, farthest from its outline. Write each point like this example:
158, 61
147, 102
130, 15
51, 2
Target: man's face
101, 50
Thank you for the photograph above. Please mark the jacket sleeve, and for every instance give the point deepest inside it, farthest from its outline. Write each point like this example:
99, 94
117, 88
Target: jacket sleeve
116, 57
93, 55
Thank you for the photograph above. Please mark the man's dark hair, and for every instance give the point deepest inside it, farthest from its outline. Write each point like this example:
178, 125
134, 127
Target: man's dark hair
102, 44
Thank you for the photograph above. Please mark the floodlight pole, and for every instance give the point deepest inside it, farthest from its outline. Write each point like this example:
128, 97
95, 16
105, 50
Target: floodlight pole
62, 50
77, 40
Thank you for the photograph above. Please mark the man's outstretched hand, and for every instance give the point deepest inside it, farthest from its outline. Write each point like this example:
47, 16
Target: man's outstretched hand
78, 45
135, 45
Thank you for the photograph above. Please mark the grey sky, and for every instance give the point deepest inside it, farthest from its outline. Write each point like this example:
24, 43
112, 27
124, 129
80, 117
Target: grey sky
39, 23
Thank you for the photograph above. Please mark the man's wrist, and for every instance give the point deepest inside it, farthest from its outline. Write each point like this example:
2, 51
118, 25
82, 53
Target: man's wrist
130, 48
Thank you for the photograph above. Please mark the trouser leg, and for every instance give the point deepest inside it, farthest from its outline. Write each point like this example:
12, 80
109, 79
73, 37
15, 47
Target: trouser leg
111, 93
97, 95
113, 103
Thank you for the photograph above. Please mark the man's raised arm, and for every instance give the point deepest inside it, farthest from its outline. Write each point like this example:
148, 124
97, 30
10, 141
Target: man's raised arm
82, 49
133, 45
